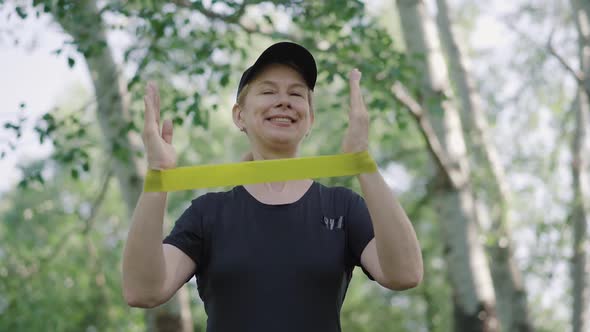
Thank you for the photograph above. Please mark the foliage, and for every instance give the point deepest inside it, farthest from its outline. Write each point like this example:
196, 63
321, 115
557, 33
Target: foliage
60, 253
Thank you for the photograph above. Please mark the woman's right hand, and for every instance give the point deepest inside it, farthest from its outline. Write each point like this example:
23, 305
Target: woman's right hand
160, 152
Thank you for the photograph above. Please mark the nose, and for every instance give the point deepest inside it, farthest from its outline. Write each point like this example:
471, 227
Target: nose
283, 100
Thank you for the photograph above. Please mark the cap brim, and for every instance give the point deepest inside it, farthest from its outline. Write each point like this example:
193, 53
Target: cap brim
284, 52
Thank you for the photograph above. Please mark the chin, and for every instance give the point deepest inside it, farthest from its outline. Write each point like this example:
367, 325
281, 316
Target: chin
284, 140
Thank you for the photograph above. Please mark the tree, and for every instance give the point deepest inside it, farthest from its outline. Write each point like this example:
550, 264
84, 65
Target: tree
573, 123
510, 290
59, 269
473, 296
580, 180
82, 20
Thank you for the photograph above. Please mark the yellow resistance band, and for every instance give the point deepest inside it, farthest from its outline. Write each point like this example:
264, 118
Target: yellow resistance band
204, 176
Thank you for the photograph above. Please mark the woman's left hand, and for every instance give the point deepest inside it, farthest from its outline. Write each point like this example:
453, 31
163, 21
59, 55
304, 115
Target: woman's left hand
356, 138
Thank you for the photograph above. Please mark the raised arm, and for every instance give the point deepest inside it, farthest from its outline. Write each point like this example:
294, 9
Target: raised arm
152, 271
393, 257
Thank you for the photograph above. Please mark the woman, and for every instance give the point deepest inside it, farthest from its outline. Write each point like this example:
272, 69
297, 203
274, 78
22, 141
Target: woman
271, 256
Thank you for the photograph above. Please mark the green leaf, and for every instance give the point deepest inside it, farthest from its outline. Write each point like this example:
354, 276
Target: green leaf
268, 19
402, 124
178, 121
9, 125
75, 174
224, 79
39, 178
23, 183
47, 117
21, 12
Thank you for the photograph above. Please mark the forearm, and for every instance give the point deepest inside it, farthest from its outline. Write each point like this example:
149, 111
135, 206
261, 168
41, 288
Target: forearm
143, 256
398, 249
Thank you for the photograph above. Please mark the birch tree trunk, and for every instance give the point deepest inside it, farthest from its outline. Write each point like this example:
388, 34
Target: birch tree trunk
85, 25
473, 294
510, 292
579, 168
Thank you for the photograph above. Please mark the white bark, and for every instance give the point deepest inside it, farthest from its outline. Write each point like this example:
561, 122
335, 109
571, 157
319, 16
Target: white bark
110, 89
580, 162
468, 268
510, 291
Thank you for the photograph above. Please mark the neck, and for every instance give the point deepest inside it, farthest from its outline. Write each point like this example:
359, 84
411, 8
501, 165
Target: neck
280, 190
276, 187
260, 154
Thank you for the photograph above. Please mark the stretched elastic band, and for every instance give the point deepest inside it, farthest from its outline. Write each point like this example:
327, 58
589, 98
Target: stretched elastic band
204, 176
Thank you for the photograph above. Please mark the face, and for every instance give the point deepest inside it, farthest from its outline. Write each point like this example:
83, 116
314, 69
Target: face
276, 109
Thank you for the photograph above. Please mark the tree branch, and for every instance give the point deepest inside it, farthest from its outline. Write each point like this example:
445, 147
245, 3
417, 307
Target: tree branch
434, 146
86, 226
88, 223
577, 75
231, 18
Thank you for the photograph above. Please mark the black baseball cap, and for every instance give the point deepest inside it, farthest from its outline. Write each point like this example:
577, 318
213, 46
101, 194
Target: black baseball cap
283, 52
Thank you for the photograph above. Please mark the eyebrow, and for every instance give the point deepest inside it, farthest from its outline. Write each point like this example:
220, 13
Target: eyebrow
294, 85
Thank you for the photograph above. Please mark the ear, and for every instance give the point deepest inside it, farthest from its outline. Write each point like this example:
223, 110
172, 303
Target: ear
237, 116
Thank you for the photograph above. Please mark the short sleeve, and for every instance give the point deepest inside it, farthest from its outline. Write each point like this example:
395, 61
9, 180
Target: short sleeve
360, 230
189, 233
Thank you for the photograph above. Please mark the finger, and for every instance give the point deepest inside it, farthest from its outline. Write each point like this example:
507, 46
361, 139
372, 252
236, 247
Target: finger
356, 98
155, 95
167, 131
149, 116
355, 75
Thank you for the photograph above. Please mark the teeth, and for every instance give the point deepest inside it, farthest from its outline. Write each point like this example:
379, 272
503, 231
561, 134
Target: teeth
284, 120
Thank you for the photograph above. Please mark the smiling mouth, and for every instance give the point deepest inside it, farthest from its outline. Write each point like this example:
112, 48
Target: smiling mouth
281, 121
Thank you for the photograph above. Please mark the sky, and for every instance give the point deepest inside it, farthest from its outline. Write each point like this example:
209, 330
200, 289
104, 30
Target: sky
30, 74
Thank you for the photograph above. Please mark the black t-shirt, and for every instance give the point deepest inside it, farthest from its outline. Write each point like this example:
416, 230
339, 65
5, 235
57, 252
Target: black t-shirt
273, 268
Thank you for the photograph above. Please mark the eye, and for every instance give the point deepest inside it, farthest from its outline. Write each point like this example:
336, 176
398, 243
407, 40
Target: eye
297, 94
267, 92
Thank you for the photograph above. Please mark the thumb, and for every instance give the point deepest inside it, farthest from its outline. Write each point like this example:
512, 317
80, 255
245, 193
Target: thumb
167, 131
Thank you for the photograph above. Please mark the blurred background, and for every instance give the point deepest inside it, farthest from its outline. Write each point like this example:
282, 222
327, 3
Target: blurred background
480, 117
